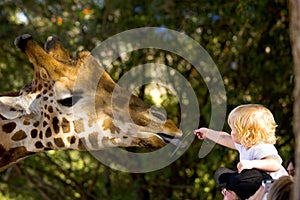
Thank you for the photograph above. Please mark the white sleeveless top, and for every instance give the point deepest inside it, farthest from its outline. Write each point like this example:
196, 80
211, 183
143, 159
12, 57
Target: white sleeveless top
260, 151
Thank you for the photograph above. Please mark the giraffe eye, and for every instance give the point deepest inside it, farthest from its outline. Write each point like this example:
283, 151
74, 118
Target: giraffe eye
70, 101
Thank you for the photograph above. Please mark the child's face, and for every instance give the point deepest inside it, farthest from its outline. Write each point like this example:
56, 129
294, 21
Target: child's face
234, 134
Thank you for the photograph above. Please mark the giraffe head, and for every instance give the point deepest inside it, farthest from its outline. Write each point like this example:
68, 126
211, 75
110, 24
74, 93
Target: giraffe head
63, 108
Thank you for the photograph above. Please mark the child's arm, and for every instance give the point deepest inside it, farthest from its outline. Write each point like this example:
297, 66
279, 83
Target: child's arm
268, 164
219, 137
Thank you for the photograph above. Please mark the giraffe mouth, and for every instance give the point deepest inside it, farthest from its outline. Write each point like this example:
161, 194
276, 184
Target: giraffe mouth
170, 139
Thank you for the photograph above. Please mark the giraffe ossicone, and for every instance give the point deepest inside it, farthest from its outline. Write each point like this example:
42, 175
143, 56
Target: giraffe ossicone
58, 111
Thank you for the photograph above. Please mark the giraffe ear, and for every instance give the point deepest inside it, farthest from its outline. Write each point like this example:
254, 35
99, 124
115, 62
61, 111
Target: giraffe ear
13, 107
8, 111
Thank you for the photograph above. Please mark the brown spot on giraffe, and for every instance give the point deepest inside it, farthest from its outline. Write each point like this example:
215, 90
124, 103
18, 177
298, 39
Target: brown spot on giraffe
9, 127
50, 145
39, 145
40, 87
48, 132
36, 124
41, 135
50, 109
34, 133
26, 122
108, 124
79, 126
19, 135
71, 139
81, 144
93, 138
59, 142
65, 125
55, 125
46, 116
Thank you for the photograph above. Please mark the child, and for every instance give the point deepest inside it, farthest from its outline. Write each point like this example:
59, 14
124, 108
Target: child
253, 135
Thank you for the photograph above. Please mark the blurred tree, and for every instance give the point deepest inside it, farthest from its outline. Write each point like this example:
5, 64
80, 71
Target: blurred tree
295, 41
248, 40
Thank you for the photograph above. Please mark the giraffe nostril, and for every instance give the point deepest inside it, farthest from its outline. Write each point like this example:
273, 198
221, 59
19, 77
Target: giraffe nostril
20, 41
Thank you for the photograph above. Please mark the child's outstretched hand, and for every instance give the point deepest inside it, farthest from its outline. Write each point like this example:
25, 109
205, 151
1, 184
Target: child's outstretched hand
201, 133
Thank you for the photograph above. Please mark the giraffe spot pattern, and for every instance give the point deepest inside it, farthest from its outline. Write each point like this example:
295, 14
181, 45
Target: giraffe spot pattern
40, 87
19, 135
50, 109
39, 145
82, 144
41, 135
26, 122
34, 133
9, 127
46, 116
48, 132
65, 125
108, 124
79, 126
93, 138
55, 125
71, 139
59, 142
45, 123
49, 145
36, 124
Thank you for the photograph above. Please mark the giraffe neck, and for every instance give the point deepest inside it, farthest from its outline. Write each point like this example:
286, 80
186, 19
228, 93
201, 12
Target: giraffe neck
54, 130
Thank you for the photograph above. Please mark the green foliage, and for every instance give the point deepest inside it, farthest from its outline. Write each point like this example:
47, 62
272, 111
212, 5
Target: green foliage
248, 40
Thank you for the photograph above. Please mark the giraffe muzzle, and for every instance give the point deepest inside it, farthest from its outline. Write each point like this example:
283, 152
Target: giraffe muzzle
172, 140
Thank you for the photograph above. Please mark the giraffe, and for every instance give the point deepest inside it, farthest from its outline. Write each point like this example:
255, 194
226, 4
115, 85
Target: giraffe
51, 113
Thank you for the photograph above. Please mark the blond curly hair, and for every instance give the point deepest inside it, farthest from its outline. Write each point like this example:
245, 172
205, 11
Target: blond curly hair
254, 124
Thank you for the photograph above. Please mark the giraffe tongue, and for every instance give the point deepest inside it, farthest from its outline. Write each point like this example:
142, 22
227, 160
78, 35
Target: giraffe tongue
169, 139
